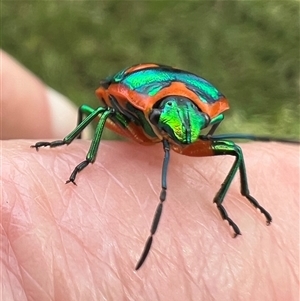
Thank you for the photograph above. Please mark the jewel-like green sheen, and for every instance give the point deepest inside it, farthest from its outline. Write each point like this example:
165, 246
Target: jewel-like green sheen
152, 80
181, 119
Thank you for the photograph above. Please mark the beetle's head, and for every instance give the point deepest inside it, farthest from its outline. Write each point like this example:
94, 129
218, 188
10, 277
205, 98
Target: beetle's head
180, 118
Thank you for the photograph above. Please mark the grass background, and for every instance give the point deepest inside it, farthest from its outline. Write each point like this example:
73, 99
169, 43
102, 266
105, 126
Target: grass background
248, 49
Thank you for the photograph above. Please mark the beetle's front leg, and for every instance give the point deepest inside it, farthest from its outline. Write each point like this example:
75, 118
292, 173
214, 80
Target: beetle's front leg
77, 131
91, 155
230, 148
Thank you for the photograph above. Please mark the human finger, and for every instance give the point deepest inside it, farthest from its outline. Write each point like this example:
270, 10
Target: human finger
93, 233
31, 109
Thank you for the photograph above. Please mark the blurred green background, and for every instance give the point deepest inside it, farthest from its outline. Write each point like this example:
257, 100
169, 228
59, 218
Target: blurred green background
248, 49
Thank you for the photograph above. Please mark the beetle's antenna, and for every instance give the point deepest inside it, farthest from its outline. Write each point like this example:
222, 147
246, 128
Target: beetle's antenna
159, 208
254, 138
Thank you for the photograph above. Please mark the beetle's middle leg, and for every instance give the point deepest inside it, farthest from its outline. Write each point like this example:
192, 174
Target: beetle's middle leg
92, 153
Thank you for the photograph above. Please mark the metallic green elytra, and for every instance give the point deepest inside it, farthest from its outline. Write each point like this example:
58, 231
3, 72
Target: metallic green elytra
151, 103
150, 82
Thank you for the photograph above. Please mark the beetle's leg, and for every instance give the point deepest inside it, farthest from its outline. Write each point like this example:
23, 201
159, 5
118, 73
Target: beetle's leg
159, 208
69, 138
83, 110
92, 153
230, 148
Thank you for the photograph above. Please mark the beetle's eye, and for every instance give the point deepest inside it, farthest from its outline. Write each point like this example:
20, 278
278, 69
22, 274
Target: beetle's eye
207, 119
154, 116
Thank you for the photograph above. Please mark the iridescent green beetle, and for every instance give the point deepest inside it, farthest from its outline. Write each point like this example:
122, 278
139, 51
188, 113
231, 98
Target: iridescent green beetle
152, 103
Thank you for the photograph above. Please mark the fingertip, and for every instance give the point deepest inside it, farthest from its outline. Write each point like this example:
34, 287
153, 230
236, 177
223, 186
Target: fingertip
30, 108
22, 102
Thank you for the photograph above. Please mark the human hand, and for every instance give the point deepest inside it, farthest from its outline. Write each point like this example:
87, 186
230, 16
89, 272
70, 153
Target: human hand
66, 242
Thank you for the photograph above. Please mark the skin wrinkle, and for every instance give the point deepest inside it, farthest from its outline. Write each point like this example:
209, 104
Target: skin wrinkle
123, 274
92, 274
139, 232
107, 189
186, 241
66, 265
232, 270
10, 268
84, 246
293, 272
133, 194
115, 180
62, 167
287, 252
148, 223
22, 268
129, 237
149, 181
17, 293
127, 290
207, 293
189, 280
87, 202
18, 273
259, 263
182, 210
34, 281
191, 176
274, 289
203, 205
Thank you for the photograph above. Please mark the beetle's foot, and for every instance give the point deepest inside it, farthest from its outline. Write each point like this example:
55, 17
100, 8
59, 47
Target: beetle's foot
76, 170
71, 181
254, 202
73, 176
40, 144
51, 144
236, 234
234, 227
225, 217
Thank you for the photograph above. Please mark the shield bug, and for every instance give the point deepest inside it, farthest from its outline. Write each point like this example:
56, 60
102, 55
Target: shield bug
151, 103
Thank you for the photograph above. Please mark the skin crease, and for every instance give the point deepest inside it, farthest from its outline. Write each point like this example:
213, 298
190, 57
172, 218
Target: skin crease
66, 242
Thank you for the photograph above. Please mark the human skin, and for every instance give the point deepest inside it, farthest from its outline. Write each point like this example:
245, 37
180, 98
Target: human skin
67, 242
